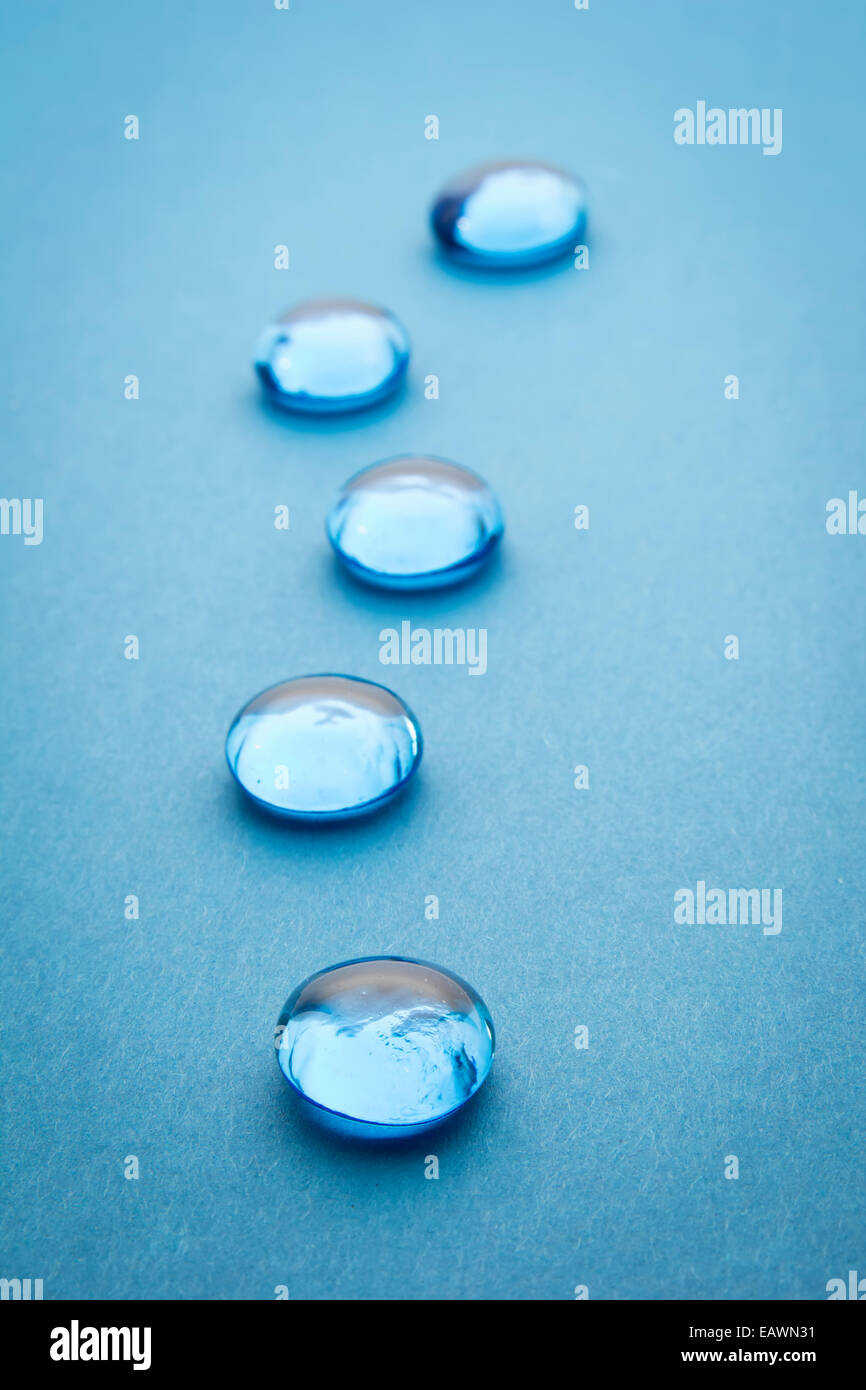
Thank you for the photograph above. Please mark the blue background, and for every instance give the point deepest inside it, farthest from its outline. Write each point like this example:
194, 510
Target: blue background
601, 1167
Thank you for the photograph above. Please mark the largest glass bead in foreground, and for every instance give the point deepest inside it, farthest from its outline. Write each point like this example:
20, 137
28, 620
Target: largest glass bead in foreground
384, 1047
332, 355
324, 747
509, 215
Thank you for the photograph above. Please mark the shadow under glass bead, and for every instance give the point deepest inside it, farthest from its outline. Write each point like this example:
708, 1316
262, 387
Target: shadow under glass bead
510, 214
322, 748
384, 1047
415, 522
332, 355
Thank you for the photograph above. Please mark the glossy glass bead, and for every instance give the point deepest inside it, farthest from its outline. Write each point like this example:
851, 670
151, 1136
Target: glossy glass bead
415, 522
384, 1047
321, 748
332, 355
511, 214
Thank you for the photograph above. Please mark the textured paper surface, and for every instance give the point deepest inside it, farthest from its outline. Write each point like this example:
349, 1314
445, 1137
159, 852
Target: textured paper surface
601, 1167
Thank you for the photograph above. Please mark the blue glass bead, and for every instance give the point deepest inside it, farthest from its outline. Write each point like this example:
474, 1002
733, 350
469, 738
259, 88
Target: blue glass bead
332, 355
512, 214
384, 1047
324, 748
415, 523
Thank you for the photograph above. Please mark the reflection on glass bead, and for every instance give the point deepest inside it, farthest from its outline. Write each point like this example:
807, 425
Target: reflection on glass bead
384, 1047
324, 748
512, 214
332, 355
415, 523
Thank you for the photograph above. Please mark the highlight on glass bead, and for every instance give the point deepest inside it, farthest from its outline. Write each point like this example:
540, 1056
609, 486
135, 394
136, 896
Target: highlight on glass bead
322, 748
415, 522
510, 214
332, 355
384, 1047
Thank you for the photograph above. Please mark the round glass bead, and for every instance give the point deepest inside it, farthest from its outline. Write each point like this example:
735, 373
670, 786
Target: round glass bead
415, 523
384, 1047
332, 355
511, 214
324, 747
